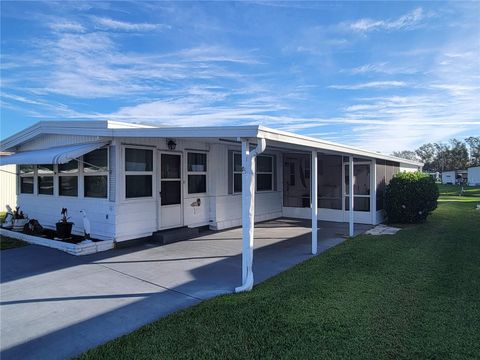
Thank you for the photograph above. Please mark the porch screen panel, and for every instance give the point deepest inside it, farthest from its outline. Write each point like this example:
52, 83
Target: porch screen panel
380, 180
230, 171
296, 180
330, 182
385, 172
112, 173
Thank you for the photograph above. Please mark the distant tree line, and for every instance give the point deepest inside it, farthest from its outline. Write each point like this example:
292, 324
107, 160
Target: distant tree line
454, 155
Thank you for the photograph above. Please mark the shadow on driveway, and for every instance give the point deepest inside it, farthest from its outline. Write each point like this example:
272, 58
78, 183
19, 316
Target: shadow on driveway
55, 305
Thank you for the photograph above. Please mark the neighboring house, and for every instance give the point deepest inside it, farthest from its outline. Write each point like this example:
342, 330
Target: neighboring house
8, 185
474, 176
449, 177
134, 180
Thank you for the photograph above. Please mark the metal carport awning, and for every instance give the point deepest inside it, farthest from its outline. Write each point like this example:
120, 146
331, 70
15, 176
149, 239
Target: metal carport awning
54, 155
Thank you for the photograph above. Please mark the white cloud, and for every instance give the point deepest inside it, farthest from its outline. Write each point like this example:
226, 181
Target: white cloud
406, 21
456, 89
91, 65
67, 26
215, 54
381, 68
370, 85
112, 24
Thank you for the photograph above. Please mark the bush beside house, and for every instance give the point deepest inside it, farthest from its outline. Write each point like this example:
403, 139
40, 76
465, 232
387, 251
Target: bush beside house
410, 197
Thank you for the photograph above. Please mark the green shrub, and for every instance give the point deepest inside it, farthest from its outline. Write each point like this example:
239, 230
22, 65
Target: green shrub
410, 197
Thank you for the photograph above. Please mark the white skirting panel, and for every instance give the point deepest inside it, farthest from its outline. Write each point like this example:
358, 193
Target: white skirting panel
225, 224
380, 217
360, 217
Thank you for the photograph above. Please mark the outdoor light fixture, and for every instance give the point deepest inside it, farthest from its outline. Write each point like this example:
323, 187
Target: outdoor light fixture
171, 144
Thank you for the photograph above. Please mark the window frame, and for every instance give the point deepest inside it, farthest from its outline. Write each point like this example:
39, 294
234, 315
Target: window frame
236, 172
95, 173
201, 173
139, 173
48, 174
28, 175
73, 174
80, 174
272, 173
264, 173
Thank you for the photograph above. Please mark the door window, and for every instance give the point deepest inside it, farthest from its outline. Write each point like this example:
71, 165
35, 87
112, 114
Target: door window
171, 182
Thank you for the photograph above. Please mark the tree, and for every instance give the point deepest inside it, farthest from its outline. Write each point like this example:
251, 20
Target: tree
457, 158
441, 157
427, 154
406, 154
473, 143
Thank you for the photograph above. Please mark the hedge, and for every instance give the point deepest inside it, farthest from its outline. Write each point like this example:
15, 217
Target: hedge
410, 197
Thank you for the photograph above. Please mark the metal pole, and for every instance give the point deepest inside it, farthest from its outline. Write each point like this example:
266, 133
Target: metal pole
351, 195
314, 200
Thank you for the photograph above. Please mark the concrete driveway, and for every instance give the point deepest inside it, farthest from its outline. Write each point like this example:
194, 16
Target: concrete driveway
55, 305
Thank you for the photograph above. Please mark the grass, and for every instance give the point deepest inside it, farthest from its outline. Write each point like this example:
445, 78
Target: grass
6, 242
9, 243
414, 295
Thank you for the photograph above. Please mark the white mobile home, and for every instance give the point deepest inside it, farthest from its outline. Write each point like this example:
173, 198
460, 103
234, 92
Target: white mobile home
449, 177
134, 180
8, 186
474, 176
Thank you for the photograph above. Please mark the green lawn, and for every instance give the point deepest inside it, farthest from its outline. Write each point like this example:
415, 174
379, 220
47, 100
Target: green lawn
9, 243
6, 242
415, 295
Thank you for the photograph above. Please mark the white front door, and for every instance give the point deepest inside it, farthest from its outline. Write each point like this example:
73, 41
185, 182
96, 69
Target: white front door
171, 213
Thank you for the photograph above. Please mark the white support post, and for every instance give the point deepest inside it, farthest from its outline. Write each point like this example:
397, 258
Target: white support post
248, 210
373, 191
246, 199
351, 195
314, 200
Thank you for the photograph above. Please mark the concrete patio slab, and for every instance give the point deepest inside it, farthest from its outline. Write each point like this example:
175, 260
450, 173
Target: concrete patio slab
54, 305
383, 230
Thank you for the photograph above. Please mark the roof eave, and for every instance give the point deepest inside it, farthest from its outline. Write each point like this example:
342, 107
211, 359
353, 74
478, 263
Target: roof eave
292, 138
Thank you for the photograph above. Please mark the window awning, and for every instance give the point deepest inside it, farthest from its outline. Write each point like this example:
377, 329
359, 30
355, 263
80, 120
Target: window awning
55, 155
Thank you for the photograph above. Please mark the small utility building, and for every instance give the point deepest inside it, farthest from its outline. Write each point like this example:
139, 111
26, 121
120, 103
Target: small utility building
473, 176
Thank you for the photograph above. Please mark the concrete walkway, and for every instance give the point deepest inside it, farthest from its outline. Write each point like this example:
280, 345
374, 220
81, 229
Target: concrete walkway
54, 305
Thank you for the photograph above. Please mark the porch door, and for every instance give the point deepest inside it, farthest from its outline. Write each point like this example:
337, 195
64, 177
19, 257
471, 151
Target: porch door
171, 213
361, 196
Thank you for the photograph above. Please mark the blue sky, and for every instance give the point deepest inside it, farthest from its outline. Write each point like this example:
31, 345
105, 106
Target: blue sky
381, 75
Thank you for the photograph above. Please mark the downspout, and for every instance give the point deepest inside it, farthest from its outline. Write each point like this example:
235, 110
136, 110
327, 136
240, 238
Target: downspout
248, 210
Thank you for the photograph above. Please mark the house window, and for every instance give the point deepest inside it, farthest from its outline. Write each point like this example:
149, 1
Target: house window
264, 172
197, 173
68, 178
237, 173
26, 178
45, 179
95, 169
138, 173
